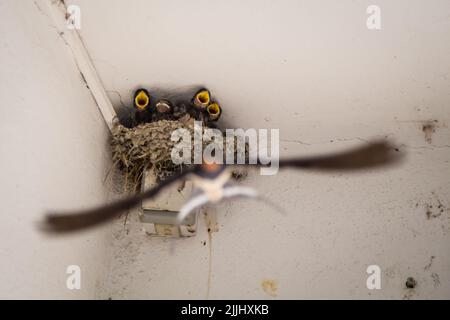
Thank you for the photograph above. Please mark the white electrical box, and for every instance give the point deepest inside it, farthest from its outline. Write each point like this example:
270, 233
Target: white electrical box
158, 215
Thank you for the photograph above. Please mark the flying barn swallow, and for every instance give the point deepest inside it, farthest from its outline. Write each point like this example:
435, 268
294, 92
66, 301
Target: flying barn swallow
212, 184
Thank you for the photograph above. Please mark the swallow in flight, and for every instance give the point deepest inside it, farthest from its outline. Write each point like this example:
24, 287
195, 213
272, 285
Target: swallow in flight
212, 184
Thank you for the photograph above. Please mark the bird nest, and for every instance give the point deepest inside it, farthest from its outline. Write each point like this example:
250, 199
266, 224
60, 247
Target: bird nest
145, 146
148, 146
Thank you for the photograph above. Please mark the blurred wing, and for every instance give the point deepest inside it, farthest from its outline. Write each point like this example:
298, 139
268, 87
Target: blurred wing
375, 154
193, 203
201, 199
74, 221
237, 191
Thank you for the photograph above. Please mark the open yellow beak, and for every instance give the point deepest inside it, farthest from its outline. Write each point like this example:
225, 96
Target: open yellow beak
214, 111
202, 99
141, 100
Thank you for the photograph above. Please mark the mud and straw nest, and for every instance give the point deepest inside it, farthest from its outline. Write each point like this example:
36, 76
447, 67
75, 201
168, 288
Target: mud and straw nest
147, 146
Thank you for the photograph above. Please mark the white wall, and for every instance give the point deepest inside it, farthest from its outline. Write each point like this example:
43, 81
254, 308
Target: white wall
53, 156
312, 69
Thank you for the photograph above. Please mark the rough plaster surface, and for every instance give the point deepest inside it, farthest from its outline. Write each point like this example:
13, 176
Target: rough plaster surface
54, 155
313, 70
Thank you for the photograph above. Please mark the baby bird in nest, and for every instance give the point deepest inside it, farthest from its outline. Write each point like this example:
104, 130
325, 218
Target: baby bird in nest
205, 108
143, 107
212, 184
201, 107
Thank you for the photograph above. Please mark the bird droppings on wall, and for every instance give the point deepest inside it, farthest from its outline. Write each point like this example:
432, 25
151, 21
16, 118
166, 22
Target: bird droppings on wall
239, 174
270, 287
433, 212
211, 222
436, 210
429, 128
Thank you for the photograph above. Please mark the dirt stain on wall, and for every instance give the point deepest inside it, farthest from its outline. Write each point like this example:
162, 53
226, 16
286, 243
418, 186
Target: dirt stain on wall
410, 286
428, 266
432, 212
212, 226
435, 278
270, 287
429, 128
239, 174
437, 211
